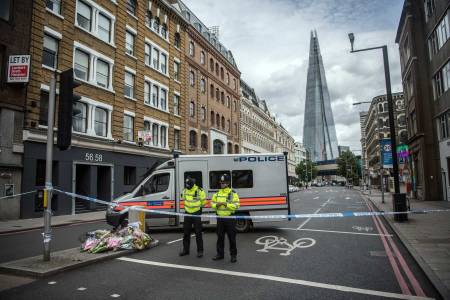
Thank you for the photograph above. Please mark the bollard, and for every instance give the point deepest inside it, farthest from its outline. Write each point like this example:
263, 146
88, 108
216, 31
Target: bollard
400, 205
135, 215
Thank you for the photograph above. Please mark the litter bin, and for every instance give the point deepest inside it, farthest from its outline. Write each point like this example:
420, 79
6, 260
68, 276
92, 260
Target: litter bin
400, 205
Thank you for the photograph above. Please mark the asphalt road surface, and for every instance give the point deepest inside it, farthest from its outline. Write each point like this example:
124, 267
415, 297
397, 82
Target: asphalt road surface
333, 258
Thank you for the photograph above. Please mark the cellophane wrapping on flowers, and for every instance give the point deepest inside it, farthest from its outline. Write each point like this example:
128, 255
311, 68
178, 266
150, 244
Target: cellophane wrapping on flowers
126, 238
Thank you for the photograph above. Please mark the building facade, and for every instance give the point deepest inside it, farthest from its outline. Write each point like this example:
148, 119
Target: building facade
284, 142
319, 132
132, 108
15, 21
299, 153
258, 126
424, 55
364, 164
377, 128
213, 94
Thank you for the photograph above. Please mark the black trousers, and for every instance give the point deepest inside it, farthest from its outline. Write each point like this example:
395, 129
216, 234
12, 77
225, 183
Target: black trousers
187, 228
227, 226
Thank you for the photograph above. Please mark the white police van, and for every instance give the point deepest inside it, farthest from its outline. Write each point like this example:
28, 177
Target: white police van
261, 181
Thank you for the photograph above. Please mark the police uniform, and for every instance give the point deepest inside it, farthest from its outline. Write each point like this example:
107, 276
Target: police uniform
194, 199
225, 202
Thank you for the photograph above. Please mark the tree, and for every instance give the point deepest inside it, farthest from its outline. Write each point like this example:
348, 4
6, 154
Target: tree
303, 170
348, 167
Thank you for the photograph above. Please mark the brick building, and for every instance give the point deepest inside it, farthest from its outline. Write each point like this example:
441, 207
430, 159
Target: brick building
213, 94
129, 55
15, 24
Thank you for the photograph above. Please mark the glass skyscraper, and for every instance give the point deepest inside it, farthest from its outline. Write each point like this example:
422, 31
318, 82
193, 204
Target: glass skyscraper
319, 132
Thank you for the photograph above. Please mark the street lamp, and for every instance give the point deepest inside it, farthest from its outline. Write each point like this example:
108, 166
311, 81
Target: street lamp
390, 107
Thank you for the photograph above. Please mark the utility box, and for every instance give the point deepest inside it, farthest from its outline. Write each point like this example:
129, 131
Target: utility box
400, 205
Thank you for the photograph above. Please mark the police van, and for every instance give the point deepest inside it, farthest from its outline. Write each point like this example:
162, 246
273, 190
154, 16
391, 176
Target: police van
261, 181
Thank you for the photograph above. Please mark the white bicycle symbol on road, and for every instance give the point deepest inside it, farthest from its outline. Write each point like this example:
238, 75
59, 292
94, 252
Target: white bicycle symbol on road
272, 242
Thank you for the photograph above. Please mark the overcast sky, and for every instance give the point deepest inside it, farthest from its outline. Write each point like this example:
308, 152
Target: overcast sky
270, 43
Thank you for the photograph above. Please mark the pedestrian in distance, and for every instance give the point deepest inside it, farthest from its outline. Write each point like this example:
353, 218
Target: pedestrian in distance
194, 199
225, 202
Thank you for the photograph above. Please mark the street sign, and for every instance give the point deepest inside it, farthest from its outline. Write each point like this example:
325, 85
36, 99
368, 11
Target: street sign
19, 68
386, 152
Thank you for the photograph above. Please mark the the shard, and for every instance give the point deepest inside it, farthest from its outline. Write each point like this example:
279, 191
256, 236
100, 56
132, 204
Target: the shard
319, 132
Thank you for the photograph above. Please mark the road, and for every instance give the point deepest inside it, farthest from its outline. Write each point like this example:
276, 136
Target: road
333, 258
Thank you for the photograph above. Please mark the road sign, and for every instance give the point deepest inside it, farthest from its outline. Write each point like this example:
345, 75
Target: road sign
386, 151
19, 68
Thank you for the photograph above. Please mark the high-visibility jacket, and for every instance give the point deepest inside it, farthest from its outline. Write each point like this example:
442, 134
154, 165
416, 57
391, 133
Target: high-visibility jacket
225, 202
194, 199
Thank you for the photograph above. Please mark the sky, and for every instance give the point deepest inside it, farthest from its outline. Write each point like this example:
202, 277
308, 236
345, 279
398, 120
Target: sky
269, 40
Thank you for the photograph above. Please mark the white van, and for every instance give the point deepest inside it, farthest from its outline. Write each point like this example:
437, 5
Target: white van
259, 179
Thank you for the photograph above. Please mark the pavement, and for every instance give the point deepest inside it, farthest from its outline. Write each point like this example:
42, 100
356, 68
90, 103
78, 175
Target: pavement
426, 236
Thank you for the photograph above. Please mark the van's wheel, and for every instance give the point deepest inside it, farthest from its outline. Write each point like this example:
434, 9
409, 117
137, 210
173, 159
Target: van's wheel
243, 225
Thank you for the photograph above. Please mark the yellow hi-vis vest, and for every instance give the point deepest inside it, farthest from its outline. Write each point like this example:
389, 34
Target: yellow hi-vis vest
194, 199
225, 202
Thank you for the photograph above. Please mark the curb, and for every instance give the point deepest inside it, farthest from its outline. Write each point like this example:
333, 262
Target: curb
42, 227
7, 269
435, 281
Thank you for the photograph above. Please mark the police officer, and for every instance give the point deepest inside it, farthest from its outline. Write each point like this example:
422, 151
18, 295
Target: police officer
194, 199
225, 202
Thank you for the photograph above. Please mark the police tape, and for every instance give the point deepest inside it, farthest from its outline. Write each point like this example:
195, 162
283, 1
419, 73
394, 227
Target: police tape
263, 217
17, 195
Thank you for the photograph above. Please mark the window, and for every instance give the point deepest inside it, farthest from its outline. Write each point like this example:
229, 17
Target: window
192, 109
147, 54
43, 109
54, 6
102, 73
148, 18
234, 105
403, 136
100, 121
448, 168
222, 74
212, 118
222, 97
446, 76
217, 94
192, 139
191, 78
443, 126
203, 85
129, 175
223, 123
235, 129
147, 93
176, 139
439, 36
155, 26
176, 71
128, 128
191, 49
155, 58
163, 136
217, 120
228, 126
401, 120
155, 131
156, 184
211, 89
163, 63
176, 105
104, 28
228, 78
197, 175
131, 6
230, 148
202, 58
413, 119
155, 95
129, 43
50, 52
429, 8
217, 69
81, 64
228, 101
203, 114
204, 142
241, 179
129, 85
214, 177
84, 15
79, 117
211, 64
164, 31
163, 99
177, 40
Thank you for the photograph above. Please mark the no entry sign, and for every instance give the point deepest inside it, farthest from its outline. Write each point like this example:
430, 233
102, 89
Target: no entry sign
19, 68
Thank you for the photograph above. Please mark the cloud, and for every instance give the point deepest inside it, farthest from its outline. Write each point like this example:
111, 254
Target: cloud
270, 42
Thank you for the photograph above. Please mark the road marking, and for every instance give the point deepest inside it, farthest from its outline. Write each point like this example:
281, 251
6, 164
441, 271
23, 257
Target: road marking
348, 198
273, 242
340, 288
361, 228
115, 296
333, 231
52, 282
81, 289
307, 220
316, 198
177, 240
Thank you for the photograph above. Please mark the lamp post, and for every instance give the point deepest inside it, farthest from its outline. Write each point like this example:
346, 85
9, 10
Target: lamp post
398, 199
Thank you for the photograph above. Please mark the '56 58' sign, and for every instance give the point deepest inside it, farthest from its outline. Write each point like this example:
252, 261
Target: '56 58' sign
19, 68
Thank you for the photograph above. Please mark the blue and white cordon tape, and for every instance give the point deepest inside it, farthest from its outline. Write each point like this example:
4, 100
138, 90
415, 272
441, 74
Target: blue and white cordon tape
291, 216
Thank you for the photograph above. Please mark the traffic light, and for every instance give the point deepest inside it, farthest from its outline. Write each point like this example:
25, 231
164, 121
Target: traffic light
66, 100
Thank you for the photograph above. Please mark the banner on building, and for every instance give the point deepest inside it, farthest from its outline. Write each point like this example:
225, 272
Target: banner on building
19, 68
386, 153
